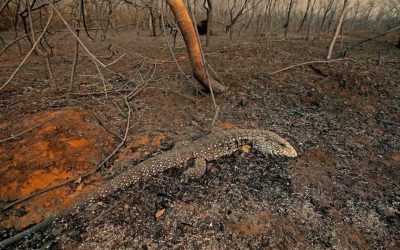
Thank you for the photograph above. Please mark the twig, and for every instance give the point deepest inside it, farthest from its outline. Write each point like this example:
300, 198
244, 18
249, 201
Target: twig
109, 49
151, 60
119, 109
179, 93
4, 5
132, 92
51, 75
315, 62
15, 41
214, 118
280, 40
170, 49
103, 80
98, 167
216, 108
39, 49
25, 131
76, 50
137, 90
108, 210
350, 47
116, 60
215, 73
27, 55
23, 36
93, 93
76, 37
140, 87
390, 122
103, 125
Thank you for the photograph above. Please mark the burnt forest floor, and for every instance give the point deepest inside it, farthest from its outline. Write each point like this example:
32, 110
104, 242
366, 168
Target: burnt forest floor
343, 191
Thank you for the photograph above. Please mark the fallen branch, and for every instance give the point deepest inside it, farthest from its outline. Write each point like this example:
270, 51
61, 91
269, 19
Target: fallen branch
25, 131
315, 62
98, 167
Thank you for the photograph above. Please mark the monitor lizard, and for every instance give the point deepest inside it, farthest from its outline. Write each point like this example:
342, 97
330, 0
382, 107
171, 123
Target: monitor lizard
207, 148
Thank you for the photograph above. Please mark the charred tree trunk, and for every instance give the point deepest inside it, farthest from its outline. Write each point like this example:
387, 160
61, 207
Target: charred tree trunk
310, 21
398, 45
326, 12
186, 27
235, 17
208, 5
153, 19
331, 20
288, 18
303, 21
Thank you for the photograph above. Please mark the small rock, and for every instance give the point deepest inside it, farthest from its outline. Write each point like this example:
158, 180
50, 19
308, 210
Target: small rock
242, 102
74, 234
160, 213
188, 229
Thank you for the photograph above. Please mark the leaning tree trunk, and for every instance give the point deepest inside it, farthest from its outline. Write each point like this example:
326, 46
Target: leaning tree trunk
338, 28
186, 27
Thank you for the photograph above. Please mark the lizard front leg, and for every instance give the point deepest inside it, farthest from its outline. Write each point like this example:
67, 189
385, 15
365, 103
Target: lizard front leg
197, 170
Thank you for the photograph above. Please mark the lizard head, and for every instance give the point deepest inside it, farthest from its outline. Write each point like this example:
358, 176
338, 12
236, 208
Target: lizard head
288, 151
273, 144
283, 148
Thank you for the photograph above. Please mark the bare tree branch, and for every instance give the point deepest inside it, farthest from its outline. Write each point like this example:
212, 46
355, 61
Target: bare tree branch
27, 55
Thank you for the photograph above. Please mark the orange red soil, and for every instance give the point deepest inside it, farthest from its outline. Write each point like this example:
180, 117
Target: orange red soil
68, 145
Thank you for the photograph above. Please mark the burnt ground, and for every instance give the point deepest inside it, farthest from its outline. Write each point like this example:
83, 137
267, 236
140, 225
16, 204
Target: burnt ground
341, 192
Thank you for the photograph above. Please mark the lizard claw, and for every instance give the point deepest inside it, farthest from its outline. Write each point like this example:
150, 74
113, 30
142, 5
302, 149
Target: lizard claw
198, 170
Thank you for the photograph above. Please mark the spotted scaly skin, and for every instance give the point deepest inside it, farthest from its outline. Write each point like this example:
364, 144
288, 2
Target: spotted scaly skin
208, 148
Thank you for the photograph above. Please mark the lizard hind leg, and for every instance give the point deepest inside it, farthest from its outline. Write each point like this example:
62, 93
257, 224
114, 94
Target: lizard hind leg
197, 170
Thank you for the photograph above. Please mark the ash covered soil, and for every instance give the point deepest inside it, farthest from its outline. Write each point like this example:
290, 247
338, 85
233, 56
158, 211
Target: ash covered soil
343, 191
